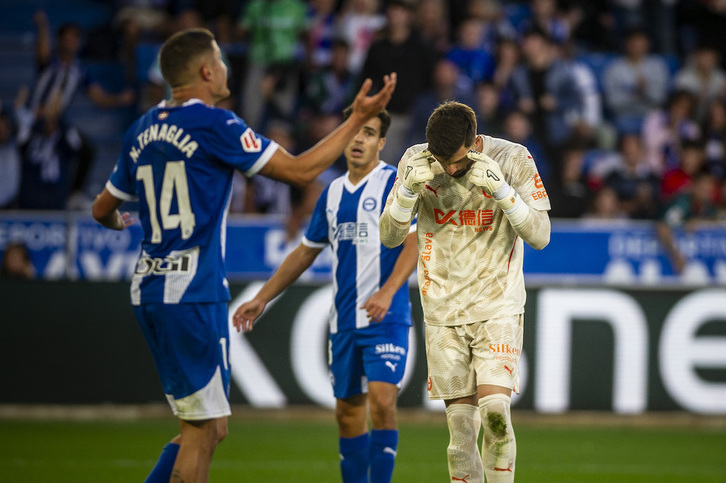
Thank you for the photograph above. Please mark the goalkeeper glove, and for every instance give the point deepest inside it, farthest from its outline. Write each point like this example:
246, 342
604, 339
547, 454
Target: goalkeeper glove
487, 174
416, 173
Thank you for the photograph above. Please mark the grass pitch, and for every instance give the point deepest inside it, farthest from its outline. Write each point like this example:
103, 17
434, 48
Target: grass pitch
265, 446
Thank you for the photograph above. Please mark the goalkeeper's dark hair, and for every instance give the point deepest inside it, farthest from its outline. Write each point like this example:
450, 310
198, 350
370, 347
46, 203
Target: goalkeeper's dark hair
384, 116
451, 126
180, 51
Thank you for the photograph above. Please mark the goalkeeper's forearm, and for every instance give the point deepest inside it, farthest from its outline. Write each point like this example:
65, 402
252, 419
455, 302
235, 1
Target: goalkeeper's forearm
532, 225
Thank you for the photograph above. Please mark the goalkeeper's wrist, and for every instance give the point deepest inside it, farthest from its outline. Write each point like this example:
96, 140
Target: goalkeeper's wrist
511, 204
402, 205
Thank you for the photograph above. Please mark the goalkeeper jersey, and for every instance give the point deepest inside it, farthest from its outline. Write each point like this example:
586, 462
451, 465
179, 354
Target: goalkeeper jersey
470, 258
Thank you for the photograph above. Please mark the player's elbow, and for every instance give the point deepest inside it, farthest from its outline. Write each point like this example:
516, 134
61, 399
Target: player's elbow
539, 244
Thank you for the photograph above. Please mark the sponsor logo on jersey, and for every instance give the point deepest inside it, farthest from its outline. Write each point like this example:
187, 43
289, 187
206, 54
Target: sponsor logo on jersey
350, 230
250, 142
162, 266
434, 191
481, 219
504, 349
541, 193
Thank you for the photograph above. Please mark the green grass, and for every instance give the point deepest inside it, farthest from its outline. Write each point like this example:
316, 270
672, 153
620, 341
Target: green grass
263, 449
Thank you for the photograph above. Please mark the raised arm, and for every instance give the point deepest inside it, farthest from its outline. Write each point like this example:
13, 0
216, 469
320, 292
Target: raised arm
289, 270
304, 168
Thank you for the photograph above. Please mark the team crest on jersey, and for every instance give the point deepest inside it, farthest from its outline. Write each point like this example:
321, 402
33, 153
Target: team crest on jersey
250, 142
369, 204
163, 115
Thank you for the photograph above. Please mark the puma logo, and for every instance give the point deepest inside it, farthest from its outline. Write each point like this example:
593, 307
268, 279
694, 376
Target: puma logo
511, 371
391, 365
508, 468
454, 478
434, 191
491, 175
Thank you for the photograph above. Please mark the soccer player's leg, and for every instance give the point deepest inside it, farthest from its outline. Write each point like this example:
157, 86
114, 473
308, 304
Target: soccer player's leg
496, 349
452, 378
384, 358
349, 387
189, 343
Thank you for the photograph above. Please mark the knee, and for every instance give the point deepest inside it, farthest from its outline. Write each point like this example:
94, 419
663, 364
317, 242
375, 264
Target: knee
383, 411
221, 432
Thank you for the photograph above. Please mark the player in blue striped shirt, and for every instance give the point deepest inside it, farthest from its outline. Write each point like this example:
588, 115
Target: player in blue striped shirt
178, 160
371, 314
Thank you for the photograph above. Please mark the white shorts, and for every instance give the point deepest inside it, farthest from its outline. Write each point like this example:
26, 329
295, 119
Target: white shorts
460, 358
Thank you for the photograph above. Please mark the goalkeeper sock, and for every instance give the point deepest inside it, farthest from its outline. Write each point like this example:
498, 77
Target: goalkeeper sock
463, 453
354, 460
499, 448
162, 471
384, 443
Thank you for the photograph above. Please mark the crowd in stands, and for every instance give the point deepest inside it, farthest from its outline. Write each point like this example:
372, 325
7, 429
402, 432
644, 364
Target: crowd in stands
622, 103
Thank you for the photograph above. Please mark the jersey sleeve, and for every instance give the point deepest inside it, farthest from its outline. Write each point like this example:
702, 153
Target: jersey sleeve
236, 144
121, 184
527, 181
316, 235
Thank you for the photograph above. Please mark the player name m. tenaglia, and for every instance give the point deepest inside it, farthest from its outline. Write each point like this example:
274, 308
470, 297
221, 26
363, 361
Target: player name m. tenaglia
167, 133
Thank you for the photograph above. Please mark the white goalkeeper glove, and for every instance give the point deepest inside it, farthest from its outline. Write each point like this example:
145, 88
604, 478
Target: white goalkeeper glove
415, 175
487, 174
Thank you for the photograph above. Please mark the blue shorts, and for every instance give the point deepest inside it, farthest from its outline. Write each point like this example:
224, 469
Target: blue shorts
375, 353
190, 346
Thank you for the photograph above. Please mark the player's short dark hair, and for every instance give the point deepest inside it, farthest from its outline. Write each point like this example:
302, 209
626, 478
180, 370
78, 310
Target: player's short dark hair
451, 126
384, 116
180, 50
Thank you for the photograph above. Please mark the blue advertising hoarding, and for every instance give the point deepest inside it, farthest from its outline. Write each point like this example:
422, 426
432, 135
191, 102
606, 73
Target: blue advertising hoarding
74, 246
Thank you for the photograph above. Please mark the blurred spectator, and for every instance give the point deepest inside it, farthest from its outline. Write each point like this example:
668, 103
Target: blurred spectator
604, 205
331, 89
358, 24
10, 163
321, 31
703, 77
547, 17
50, 151
275, 29
546, 89
687, 210
570, 192
665, 129
678, 179
16, 262
507, 59
635, 83
592, 25
220, 16
589, 121
518, 129
432, 22
475, 64
496, 27
447, 87
657, 18
403, 51
488, 108
714, 134
636, 186
60, 75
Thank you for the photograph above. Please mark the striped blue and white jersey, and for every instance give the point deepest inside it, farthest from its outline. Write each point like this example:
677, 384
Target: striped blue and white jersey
346, 218
179, 163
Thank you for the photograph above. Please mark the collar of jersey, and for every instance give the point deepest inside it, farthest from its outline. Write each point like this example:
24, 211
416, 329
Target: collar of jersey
352, 188
163, 104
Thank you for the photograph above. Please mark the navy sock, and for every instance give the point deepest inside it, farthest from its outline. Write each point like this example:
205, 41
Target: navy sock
162, 471
384, 443
354, 458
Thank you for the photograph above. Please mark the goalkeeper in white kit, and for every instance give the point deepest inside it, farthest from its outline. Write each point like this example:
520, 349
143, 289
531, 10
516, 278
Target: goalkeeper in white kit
476, 199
